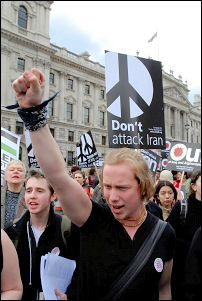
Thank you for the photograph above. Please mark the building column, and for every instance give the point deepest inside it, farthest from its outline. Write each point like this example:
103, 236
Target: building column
183, 129
61, 109
176, 124
7, 93
80, 101
96, 116
47, 75
166, 119
169, 121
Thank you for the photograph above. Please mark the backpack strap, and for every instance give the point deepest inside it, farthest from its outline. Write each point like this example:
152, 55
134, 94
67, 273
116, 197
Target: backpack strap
183, 210
65, 226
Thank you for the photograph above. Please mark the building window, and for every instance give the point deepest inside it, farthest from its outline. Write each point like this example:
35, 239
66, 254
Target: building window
22, 17
70, 84
87, 89
192, 138
102, 94
71, 136
69, 111
102, 119
20, 153
19, 128
70, 158
86, 115
103, 140
51, 78
172, 131
50, 108
21, 64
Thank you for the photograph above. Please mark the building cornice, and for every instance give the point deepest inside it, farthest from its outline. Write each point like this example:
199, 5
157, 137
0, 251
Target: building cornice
174, 80
68, 63
172, 92
76, 126
25, 41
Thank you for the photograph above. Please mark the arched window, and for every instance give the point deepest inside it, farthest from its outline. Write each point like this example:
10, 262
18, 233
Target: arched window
22, 17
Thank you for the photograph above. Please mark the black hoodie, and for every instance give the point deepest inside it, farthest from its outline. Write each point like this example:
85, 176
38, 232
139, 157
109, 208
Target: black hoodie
29, 255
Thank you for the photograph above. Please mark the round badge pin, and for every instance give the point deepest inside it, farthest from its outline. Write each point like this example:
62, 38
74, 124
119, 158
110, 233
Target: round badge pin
56, 251
158, 264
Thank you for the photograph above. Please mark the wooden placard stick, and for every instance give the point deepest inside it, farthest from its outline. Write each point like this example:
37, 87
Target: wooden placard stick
97, 171
182, 176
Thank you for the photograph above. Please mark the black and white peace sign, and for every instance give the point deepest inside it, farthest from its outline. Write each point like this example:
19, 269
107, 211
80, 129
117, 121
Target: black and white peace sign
129, 85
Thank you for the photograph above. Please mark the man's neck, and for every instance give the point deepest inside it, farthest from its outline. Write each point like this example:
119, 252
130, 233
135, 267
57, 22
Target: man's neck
39, 221
14, 187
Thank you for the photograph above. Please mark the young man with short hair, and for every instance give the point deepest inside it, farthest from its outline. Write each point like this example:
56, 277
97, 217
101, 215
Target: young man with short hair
12, 194
110, 236
79, 176
37, 232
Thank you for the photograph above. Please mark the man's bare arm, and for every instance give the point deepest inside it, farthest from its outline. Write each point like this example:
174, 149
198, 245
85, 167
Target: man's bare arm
11, 284
75, 202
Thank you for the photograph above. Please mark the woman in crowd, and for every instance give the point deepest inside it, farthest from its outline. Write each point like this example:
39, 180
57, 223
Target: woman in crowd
165, 196
185, 227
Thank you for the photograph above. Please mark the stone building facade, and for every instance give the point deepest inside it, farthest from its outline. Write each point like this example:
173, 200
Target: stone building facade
81, 103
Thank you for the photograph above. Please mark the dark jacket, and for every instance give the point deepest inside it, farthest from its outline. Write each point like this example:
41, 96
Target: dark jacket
29, 255
184, 235
154, 209
20, 209
192, 285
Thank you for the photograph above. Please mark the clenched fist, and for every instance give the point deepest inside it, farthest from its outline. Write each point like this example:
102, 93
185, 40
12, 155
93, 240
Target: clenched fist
29, 88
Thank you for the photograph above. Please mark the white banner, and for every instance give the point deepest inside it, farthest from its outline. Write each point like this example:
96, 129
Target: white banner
30, 151
10, 145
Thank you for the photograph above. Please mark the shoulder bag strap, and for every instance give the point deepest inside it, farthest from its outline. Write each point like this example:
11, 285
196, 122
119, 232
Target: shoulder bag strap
137, 263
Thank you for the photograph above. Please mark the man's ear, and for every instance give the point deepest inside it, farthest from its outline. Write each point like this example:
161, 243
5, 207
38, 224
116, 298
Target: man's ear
193, 186
53, 197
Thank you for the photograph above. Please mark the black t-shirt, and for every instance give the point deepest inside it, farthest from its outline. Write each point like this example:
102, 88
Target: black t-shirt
105, 251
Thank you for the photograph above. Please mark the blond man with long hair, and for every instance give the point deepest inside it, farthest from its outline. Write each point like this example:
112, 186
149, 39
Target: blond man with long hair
110, 236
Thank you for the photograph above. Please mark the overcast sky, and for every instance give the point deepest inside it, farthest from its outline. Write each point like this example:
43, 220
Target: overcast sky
126, 26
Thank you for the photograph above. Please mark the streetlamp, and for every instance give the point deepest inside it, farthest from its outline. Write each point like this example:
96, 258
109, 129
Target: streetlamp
187, 126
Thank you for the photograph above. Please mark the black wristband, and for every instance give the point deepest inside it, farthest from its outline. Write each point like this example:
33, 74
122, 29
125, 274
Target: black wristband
34, 117
34, 120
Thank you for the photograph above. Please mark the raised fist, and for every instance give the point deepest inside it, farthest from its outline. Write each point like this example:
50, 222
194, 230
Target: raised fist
29, 88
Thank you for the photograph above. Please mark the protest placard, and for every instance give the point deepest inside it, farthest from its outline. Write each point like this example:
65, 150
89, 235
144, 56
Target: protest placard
86, 151
30, 151
10, 145
152, 159
164, 154
135, 110
184, 156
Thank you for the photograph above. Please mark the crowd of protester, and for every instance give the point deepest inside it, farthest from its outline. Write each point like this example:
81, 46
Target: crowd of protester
185, 277
108, 214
